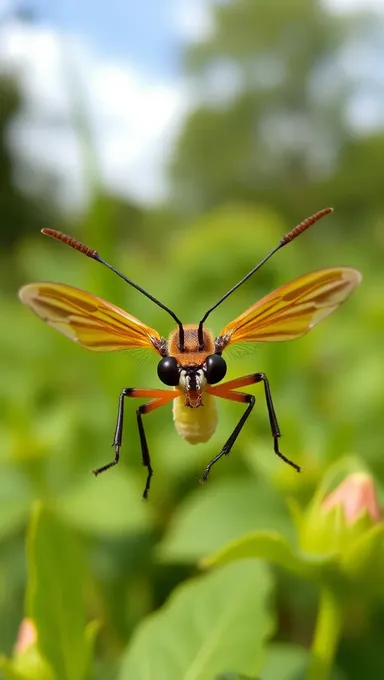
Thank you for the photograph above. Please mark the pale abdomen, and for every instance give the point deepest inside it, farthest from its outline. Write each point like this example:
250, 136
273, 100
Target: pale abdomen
195, 424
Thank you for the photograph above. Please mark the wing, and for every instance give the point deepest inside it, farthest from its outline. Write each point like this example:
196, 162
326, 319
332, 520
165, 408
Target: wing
87, 319
293, 309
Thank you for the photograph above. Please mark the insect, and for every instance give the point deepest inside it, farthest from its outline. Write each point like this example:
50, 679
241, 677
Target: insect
191, 359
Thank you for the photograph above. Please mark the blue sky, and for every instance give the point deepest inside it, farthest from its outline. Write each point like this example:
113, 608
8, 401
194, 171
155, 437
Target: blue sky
145, 32
148, 33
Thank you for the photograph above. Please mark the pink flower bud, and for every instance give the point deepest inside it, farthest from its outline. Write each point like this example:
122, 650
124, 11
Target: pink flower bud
356, 495
26, 637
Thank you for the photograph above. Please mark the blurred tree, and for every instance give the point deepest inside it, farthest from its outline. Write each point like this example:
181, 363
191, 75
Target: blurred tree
20, 212
275, 97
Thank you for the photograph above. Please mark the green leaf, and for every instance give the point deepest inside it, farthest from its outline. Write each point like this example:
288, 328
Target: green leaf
55, 594
268, 546
214, 624
219, 513
111, 505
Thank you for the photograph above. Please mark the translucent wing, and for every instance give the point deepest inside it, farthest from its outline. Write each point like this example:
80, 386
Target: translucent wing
293, 309
87, 319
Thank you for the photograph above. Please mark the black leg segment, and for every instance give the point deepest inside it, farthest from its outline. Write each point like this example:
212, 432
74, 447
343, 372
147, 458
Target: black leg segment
275, 430
117, 440
144, 449
126, 392
250, 400
228, 390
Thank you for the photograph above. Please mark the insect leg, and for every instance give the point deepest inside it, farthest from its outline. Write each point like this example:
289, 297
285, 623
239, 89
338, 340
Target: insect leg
233, 396
142, 411
222, 390
159, 398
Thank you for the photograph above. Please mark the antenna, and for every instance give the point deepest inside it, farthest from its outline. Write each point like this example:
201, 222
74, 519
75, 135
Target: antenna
296, 231
94, 255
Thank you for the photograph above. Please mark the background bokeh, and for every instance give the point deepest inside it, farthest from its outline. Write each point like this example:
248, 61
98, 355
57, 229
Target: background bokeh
182, 143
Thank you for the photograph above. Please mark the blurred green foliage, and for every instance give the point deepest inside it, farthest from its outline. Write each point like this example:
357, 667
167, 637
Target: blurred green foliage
245, 170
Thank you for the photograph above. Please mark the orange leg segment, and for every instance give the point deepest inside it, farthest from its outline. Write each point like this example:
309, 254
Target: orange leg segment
158, 398
226, 391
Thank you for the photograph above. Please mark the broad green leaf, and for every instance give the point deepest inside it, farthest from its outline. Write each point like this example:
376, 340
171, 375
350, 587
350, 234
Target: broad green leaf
55, 594
110, 505
216, 623
268, 546
219, 513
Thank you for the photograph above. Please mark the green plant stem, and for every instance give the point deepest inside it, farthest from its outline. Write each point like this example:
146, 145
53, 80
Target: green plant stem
327, 634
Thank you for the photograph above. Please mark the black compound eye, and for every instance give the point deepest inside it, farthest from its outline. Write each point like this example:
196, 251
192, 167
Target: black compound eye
168, 371
216, 368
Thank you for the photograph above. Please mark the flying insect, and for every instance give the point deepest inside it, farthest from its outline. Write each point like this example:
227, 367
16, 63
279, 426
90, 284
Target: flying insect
191, 359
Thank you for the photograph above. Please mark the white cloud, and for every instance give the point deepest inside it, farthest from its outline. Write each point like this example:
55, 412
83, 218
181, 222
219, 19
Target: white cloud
193, 20
351, 5
133, 119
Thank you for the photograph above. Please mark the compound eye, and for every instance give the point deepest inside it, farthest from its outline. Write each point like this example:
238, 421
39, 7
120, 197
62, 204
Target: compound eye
168, 371
216, 368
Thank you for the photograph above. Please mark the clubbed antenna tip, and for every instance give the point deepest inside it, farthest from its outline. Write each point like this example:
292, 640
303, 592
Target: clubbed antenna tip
305, 224
70, 241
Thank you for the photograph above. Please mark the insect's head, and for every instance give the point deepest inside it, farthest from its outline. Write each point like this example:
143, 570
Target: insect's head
191, 370
192, 379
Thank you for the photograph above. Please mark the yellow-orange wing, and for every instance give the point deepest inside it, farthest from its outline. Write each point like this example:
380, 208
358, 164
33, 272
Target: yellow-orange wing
293, 309
87, 319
